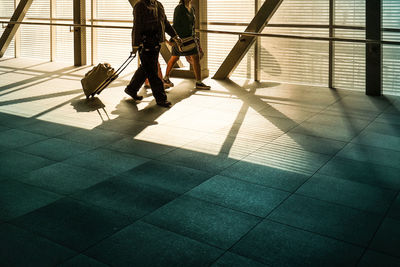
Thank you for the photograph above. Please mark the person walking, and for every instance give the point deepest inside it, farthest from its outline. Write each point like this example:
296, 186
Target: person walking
184, 21
149, 27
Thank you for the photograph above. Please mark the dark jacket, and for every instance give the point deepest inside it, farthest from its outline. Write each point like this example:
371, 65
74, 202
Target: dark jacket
184, 21
150, 23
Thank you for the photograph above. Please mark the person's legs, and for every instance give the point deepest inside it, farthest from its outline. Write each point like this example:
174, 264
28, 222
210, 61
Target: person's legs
136, 82
171, 62
197, 73
147, 83
149, 61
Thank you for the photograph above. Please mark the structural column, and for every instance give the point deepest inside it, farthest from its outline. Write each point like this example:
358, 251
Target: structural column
373, 55
79, 33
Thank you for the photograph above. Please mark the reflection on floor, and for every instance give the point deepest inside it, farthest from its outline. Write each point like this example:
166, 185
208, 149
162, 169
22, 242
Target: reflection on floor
247, 174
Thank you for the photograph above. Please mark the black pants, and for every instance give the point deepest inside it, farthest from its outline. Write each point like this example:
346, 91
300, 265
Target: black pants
149, 69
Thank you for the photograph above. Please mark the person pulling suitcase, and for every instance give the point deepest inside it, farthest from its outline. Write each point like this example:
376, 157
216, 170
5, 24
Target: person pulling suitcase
149, 27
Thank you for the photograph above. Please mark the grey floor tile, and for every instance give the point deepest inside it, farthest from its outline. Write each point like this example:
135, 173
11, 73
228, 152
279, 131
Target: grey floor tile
363, 172
384, 128
14, 163
17, 199
3, 128
203, 221
167, 176
14, 138
107, 161
126, 196
386, 157
327, 219
345, 134
381, 140
239, 195
142, 244
387, 239
22, 248
140, 148
55, 149
73, 224
339, 121
230, 259
64, 178
82, 261
389, 118
47, 128
280, 245
93, 137
198, 160
310, 143
372, 259
352, 194
394, 211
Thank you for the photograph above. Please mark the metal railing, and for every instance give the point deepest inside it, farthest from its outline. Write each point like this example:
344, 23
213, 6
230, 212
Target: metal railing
314, 38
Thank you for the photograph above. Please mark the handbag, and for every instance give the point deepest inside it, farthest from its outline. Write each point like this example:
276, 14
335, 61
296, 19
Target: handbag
188, 44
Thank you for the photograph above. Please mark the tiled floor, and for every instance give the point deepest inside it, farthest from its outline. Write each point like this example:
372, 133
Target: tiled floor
246, 174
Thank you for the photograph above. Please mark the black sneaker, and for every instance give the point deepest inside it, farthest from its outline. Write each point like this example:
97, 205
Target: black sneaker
146, 86
133, 95
202, 86
165, 104
168, 82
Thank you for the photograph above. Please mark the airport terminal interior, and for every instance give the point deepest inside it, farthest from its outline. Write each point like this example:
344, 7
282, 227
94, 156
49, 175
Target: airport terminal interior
292, 158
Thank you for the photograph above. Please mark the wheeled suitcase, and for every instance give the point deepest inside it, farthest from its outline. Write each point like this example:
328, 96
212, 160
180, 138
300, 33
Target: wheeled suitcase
98, 78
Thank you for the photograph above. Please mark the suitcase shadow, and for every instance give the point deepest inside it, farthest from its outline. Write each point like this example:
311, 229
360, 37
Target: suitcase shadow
90, 105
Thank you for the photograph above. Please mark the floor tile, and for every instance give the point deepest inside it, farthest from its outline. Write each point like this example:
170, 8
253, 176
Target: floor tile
266, 175
231, 259
339, 121
17, 199
203, 221
142, 244
167, 176
197, 160
363, 172
326, 131
64, 178
93, 138
327, 219
373, 258
107, 161
140, 148
14, 163
239, 195
387, 239
386, 157
49, 129
55, 149
275, 244
82, 261
394, 211
14, 138
310, 143
126, 196
72, 223
22, 248
352, 194
381, 140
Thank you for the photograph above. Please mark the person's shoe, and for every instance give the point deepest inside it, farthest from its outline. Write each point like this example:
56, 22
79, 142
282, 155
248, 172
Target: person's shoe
202, 86
165, 104
147, 86
166, 85
133, 95
168, 82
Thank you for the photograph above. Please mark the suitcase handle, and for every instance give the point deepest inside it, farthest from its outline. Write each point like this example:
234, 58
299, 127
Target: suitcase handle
125, 64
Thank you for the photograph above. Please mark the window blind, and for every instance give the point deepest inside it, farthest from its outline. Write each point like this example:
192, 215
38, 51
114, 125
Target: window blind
293, 60
349, 58
391, 53
6, 11
35, 39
